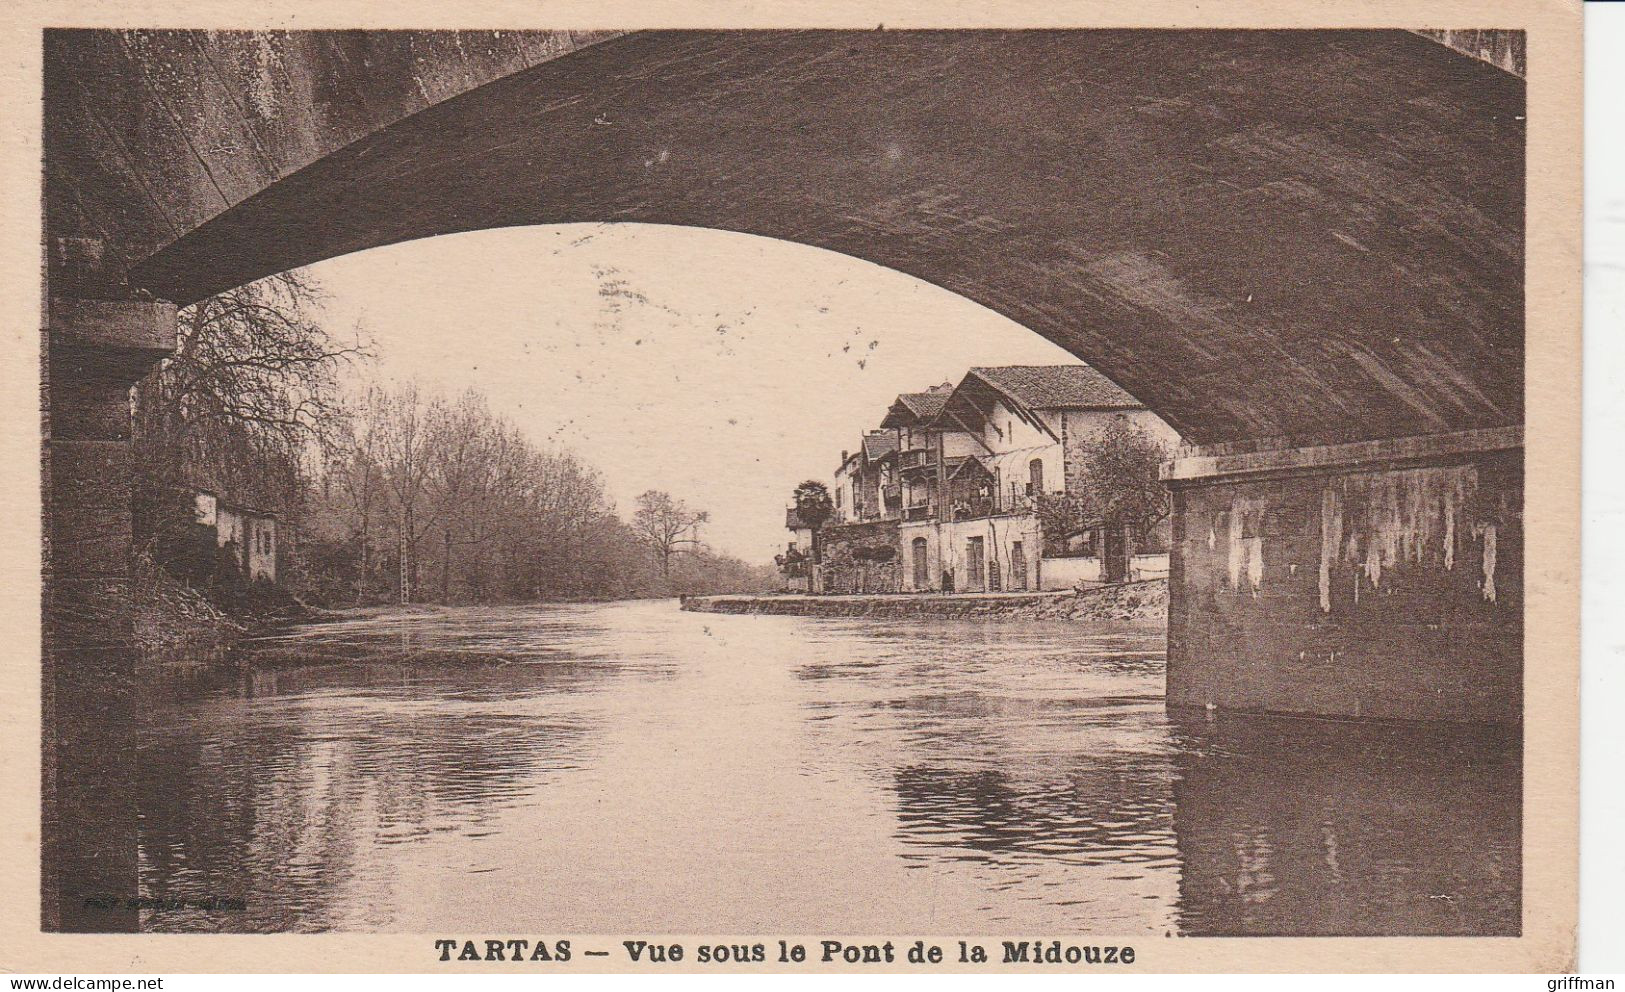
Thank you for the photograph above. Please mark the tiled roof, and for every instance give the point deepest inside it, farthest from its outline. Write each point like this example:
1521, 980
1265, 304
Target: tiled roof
924, 405
910, 409
1056, 387
879, 444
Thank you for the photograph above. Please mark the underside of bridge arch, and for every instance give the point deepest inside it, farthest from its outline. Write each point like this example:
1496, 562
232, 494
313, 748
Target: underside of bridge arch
1258, 233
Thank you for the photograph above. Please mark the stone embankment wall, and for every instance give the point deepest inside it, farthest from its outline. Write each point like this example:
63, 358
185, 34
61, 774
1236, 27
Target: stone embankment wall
1145, 602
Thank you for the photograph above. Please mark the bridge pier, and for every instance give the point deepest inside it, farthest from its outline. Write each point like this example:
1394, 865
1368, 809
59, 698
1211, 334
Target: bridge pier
1379, 579
95, 352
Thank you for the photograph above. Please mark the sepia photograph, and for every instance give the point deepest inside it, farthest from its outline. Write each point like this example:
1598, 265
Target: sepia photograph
1058, 488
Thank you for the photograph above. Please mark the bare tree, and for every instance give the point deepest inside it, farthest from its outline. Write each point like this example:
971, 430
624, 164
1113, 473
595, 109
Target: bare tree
403, 446
253, 367
351, 481
459, 476
455, 488
247, 402
662, 523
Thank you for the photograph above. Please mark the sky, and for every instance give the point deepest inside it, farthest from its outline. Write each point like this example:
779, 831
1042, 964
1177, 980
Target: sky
723, 368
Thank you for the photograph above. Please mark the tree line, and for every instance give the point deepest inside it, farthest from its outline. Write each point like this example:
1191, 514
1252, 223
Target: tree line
390, 493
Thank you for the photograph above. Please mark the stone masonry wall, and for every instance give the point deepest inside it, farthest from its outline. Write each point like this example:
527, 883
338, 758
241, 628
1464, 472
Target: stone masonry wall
850, 561
1390, 593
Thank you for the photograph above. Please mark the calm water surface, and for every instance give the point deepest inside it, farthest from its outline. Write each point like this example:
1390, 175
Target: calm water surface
632, 768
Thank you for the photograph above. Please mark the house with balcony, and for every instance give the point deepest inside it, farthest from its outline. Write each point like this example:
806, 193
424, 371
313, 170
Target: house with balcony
947, 495
882, 491
866, 484
1025, 432
921, 449
928, 456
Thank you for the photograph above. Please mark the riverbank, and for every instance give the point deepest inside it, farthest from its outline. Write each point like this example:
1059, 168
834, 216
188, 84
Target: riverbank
177, 628
1145, 602
181, 629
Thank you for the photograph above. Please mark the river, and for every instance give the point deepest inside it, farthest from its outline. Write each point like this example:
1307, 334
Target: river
629, 767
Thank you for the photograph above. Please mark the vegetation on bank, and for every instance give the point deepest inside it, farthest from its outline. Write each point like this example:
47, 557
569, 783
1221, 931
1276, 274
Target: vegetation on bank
1118, 485
182, 625
387, 494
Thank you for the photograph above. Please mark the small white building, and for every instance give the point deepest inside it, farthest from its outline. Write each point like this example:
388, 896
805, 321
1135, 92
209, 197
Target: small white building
248, 535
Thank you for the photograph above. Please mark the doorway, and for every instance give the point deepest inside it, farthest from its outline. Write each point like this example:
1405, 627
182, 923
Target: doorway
975, 564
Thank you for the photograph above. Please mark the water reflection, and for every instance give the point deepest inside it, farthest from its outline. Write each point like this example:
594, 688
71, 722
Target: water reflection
1101, 815
279, 786
1294, 827
629, 766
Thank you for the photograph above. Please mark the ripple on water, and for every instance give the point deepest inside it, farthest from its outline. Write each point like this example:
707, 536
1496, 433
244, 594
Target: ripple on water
438, 767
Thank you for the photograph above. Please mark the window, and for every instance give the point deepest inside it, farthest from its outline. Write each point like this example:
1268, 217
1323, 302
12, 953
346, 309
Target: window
1035, 477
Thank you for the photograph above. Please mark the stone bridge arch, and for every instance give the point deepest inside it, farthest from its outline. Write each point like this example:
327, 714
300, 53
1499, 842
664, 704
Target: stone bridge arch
1303, 249
1273, 233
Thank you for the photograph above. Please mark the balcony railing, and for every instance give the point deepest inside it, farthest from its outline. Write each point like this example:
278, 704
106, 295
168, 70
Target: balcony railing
970, 509
916, 458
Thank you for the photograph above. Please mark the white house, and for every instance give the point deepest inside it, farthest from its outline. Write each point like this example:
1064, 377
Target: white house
249, 535
1027, 429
